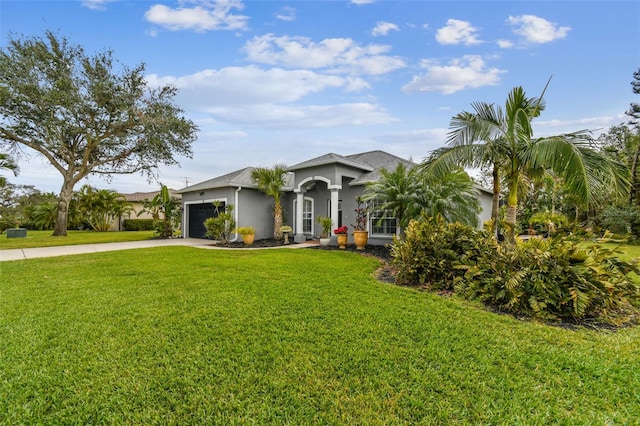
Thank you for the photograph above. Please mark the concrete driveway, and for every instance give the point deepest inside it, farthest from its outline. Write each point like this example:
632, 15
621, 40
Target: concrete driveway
32, 253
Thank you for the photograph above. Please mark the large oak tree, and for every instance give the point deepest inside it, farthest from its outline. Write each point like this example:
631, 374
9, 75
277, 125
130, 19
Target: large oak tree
86, 114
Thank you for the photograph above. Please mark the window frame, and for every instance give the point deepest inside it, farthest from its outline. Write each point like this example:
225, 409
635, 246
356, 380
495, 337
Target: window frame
391, 222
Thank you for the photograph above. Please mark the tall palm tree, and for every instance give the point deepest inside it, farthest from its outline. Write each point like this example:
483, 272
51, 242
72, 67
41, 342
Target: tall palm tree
504, 138
271, 181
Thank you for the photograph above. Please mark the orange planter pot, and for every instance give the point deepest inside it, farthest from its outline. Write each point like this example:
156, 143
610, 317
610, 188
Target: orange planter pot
248, 239
342, 240
360, 238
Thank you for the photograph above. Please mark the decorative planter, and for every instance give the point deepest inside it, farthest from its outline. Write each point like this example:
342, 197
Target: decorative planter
285, 235
17, 233
324, 242
360, 238
248, 239
342, 240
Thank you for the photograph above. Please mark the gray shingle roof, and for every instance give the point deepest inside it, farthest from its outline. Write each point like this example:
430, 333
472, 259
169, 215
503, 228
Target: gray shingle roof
330, 158
369, 163
377, 160
240, 177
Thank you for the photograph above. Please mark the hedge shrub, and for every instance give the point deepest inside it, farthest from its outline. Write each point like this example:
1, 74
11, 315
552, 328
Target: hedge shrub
138, 225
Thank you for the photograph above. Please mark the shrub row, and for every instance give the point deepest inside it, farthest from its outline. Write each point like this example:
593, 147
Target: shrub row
137, 224
555, 278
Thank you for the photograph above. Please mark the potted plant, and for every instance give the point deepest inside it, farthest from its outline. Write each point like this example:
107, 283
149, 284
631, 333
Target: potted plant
248, 234
325, 224
360, 234
341, 236
286, 230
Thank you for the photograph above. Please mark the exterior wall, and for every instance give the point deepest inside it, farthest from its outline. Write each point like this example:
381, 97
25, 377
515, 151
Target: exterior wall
255, 209
485, 199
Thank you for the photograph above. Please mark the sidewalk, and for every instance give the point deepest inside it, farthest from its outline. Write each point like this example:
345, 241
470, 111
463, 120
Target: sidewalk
32, 253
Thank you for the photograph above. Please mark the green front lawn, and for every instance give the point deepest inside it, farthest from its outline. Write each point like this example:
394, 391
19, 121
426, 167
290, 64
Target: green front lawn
181, 335
44, 238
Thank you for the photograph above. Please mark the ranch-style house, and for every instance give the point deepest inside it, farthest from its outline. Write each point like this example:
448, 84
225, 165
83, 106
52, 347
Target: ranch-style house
323, 186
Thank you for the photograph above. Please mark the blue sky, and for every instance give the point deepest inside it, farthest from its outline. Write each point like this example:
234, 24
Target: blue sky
283, 81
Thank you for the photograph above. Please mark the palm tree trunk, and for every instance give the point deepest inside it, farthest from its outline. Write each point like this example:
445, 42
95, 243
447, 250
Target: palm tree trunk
277, 220
495, 201
512, 207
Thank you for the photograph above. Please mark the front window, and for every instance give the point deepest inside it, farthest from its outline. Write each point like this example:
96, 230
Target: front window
382, 222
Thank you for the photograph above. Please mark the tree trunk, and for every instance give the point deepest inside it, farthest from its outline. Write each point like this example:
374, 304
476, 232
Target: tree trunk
277, 220
60, 229
512, 208
495, 201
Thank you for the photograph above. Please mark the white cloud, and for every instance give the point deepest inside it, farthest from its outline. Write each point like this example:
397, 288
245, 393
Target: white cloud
252, 85
362, 1
286, 13
204, 16
596, 124
256, 97
304, 116
95, 4
537, 30
382, 28
458, 32
469, 71
504, 44
333, 54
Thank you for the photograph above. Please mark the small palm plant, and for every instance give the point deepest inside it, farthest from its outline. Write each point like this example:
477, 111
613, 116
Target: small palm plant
325, 224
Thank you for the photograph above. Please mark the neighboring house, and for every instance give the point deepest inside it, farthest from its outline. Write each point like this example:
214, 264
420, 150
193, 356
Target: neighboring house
136, 200
324, 186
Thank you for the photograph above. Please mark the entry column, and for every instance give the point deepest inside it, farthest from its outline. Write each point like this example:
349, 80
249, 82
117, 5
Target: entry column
299, 237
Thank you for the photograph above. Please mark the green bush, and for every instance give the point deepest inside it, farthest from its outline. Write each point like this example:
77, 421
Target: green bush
621, 220
553, 278
138, 225
6, 223
547, 223
220, 227
163, 228
430, 253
